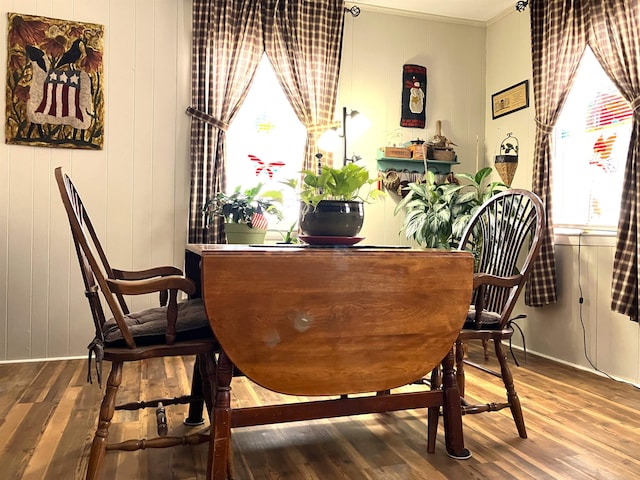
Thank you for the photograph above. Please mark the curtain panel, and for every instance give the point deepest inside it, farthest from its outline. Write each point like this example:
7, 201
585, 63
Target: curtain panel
304, 44
560, 31
303, 40
558, 39
616, 44
227, 47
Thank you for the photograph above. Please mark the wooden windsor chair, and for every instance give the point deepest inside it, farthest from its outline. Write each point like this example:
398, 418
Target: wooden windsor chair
505, 236
173, 329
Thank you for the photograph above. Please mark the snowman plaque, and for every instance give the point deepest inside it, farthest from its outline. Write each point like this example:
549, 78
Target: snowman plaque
414, 88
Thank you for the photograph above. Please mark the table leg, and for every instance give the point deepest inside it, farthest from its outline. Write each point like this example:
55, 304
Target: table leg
452, 411
196, 407
193, 272
219, 445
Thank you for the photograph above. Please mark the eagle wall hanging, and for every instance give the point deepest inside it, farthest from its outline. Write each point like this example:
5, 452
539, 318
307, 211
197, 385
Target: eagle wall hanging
55, 96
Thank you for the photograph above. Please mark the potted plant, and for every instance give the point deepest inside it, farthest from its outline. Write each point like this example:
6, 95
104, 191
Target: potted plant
244, 212
332, 200
436, 214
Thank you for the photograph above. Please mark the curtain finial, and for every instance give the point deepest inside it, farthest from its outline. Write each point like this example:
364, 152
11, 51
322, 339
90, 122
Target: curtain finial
521, 5
354, 11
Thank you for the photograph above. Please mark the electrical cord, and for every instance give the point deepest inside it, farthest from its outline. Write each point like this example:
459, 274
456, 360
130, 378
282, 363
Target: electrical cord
512, 323
584, 329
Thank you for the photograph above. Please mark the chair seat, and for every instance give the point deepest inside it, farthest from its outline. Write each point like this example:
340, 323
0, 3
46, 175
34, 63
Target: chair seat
487, 321
148, 327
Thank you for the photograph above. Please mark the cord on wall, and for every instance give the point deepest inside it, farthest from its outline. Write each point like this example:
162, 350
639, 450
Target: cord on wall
584, 330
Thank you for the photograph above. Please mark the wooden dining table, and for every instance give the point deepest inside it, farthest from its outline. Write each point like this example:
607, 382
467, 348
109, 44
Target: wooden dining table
348, 325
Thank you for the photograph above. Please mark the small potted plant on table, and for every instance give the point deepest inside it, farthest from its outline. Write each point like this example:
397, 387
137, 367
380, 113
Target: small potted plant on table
244, 213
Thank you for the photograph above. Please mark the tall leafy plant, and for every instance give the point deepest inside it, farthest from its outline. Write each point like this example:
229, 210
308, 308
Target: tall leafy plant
436, 214
470, 198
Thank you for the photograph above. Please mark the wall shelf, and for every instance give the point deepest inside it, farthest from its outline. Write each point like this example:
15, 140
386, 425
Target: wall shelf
439, 167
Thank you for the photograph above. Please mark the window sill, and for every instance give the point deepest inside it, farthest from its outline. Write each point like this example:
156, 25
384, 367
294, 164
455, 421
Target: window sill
584, 237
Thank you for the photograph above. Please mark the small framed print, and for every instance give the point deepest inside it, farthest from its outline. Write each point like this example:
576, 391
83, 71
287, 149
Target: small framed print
510, 99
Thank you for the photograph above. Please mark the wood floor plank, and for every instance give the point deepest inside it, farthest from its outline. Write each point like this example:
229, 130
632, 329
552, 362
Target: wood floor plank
21, 445
16, 378
43, 383
37, 468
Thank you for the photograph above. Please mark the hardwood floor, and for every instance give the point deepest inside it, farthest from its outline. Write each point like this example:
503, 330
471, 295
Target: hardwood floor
580, 426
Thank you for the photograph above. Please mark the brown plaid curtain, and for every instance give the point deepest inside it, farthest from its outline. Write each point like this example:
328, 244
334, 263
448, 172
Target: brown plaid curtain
560, 31
304, 44
303, 39
227, 48
558, 39
614, 40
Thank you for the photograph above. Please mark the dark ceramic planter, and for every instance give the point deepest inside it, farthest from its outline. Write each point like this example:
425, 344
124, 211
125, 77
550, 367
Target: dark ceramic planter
335, 218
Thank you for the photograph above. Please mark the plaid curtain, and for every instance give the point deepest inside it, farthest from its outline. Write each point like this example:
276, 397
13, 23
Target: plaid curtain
558, 38
304, 43
614, 40
227, 48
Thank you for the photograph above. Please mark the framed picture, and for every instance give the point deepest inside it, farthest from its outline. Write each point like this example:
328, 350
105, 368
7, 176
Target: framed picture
510, 99
54, 92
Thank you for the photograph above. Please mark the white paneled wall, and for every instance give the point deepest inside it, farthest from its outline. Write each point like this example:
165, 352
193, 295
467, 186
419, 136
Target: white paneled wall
376, 46
575, 335
136, 188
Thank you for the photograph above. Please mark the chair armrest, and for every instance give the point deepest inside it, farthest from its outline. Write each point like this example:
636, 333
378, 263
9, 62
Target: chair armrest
481, 281
152, 285
486, 279
148, 273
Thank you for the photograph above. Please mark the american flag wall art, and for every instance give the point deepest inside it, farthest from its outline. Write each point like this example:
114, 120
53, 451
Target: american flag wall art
55, 96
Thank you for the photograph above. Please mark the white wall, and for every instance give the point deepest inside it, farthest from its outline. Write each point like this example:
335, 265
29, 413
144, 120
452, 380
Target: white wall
508, 62
136, 189
376, 46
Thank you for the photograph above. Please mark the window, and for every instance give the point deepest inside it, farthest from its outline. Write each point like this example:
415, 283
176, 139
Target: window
591, 140
266, 142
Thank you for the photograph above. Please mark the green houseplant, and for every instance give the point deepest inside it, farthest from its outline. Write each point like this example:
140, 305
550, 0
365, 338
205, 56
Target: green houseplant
344, 184
332, 200
241, 209
436, 214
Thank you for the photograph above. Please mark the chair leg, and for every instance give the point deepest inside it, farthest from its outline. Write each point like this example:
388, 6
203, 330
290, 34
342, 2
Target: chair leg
485, 348
207, 375
512, 396
459, 351
107, 408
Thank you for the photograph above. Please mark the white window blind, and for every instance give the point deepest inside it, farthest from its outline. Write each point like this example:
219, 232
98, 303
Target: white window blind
589, 152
